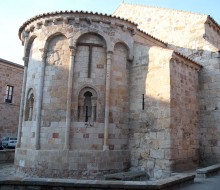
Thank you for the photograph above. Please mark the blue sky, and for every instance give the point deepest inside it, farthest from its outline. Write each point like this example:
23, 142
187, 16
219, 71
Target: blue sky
13, 13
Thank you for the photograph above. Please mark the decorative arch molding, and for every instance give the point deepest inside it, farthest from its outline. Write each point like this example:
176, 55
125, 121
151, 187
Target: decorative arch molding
50, 36
87, 105
88, 86
129, 47
30, 101
76, 37
28, 49
85, 89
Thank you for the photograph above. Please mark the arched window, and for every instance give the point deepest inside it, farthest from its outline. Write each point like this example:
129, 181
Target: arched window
87, 105
29, 106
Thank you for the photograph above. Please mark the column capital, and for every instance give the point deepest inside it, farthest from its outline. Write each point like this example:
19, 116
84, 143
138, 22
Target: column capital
72, 50
44, 54
109, 54
25, 59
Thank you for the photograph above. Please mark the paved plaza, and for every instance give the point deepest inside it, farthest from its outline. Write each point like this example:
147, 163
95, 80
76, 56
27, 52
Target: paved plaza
212, 183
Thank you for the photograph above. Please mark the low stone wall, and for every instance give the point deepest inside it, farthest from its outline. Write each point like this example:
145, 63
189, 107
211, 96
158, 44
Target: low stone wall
173, 182
208, 171
84, 164
7, 156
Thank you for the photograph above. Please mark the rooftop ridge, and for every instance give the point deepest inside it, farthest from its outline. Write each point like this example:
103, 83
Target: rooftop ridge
186, 12
189, 59
162, 8
11, 63
214, 21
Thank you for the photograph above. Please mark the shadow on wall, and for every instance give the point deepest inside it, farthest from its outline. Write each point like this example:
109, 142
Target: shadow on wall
163, 130
87, 116
209, 102
162, 120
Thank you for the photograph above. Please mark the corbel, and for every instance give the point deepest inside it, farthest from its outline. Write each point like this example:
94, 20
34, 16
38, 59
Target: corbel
77, 20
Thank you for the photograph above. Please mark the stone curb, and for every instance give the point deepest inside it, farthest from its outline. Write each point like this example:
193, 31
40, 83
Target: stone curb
208, 171
7, 156
170, 182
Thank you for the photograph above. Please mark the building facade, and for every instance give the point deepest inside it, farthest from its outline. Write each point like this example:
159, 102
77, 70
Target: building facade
196, 36
102, 95
11, 75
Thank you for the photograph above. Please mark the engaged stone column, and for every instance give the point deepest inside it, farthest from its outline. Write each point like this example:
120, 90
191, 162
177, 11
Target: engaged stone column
93, 116
21, 112
107, 94
39, 102
69, 97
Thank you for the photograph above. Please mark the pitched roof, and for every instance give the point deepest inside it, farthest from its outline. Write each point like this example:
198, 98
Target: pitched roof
11, 63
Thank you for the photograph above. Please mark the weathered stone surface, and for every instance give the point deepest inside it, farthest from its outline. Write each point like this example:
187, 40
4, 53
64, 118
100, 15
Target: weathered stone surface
135, 102
128, 176
7, 156
10, 74
200, 41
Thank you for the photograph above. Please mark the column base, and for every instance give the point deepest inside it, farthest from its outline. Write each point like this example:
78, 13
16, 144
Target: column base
66, 147
18, 145
105, 147
36, 147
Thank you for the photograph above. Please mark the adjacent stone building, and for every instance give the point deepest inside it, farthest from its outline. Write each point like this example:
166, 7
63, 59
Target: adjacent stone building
196, 36
101, 94
11, 75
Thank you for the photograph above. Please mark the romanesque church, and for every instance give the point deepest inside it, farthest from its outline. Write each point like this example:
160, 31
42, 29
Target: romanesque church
135, 90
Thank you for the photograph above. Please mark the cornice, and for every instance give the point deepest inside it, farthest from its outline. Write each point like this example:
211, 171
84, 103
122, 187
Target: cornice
71, 15
189, 62
213, 24
11, 63
60, 13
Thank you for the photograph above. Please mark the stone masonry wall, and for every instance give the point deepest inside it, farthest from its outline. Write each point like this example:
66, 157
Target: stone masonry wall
75, 164
98, 70
34, 67
83, 135
184, 116
166, 24
119, 101
140, 99
210, 98
149, 127
55, 92
88, 135
200, 42
90, 38
10, 74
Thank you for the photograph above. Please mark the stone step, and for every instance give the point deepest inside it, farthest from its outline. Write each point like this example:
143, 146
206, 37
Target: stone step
128, 176
208, 171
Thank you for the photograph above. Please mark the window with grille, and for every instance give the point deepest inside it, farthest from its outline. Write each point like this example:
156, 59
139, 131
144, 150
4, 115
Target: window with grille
9, 94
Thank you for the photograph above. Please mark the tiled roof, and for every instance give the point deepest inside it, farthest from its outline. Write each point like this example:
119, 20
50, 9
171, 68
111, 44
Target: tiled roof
187, 58
213, 20
11, 63
67, 12
82, 12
